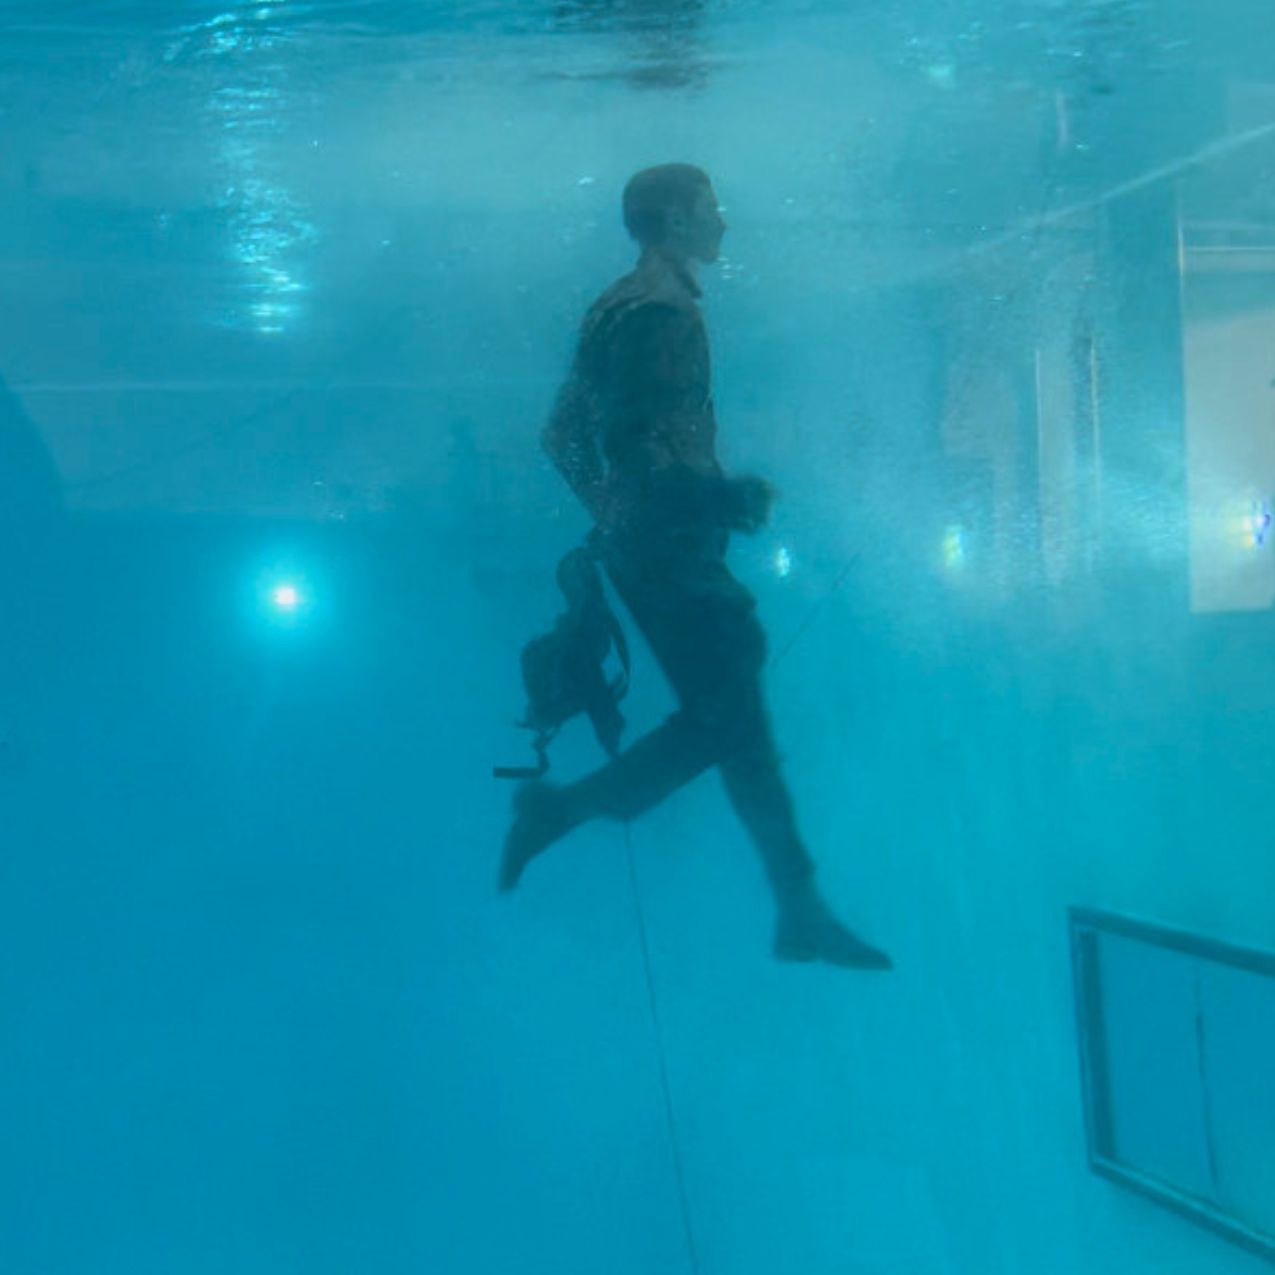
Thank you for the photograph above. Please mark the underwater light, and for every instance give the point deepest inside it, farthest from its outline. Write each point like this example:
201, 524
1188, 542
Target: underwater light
1259, 524
285, 598
783, 563
954, 547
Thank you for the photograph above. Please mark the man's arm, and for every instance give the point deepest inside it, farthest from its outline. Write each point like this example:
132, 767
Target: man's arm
660, 375
657, 376
652, 371
571, 441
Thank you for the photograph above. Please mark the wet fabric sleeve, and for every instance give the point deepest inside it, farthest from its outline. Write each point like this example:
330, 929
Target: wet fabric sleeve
572, 440
636, 411
659, 377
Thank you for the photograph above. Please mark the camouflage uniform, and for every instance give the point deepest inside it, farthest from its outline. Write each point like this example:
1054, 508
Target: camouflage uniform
634, 434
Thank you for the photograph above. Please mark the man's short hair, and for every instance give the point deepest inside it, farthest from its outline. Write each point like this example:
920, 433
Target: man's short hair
654, 193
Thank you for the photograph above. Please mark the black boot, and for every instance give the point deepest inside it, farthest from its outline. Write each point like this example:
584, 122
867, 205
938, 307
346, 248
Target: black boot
807, 930
540, 818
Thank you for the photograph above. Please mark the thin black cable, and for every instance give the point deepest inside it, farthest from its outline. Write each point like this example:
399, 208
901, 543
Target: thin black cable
679, 1172
815, 607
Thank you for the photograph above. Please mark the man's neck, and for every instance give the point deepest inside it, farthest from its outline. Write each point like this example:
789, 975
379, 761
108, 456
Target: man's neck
679, 263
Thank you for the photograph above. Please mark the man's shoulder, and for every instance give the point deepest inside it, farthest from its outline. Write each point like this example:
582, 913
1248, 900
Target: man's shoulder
630, 306
646, 289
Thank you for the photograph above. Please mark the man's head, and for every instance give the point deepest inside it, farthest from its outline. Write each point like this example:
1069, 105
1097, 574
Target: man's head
673, 207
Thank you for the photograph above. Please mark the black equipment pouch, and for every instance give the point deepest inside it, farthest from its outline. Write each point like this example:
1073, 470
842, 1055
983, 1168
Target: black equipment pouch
564, 670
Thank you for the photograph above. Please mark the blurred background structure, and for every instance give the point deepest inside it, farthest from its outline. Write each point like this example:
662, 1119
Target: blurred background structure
288, 291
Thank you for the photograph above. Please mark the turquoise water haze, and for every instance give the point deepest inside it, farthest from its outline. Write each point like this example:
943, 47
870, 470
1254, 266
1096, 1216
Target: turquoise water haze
289, 292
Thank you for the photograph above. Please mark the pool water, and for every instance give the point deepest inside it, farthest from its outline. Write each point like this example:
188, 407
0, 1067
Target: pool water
290, 289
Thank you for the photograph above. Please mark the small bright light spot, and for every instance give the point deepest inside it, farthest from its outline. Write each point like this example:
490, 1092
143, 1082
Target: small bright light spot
941, 73
954, 548
286, 598
1258, 525
783, 563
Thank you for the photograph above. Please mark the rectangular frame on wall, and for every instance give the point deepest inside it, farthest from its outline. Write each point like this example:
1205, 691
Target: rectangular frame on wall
1088, 929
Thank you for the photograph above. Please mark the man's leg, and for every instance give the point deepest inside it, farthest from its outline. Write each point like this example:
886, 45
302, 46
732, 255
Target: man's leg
642, 776
805, 927
712, 649
681, 623
755, 786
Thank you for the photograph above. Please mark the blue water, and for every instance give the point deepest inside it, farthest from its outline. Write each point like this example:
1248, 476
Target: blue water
288, 292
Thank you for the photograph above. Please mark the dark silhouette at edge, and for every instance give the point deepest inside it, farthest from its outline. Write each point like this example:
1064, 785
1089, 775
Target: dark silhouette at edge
30, 486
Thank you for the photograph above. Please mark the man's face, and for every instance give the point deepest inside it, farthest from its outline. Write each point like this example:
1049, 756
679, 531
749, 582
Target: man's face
707, 226
699, 231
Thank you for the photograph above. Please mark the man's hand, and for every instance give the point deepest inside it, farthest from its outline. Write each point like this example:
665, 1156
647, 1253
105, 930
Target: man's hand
748, 503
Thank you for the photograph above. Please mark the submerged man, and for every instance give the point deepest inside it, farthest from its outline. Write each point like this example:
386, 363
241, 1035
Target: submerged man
633, 433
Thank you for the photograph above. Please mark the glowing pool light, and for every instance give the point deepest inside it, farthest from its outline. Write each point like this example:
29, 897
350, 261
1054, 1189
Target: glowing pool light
1258, 524
954, 548
287, 597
